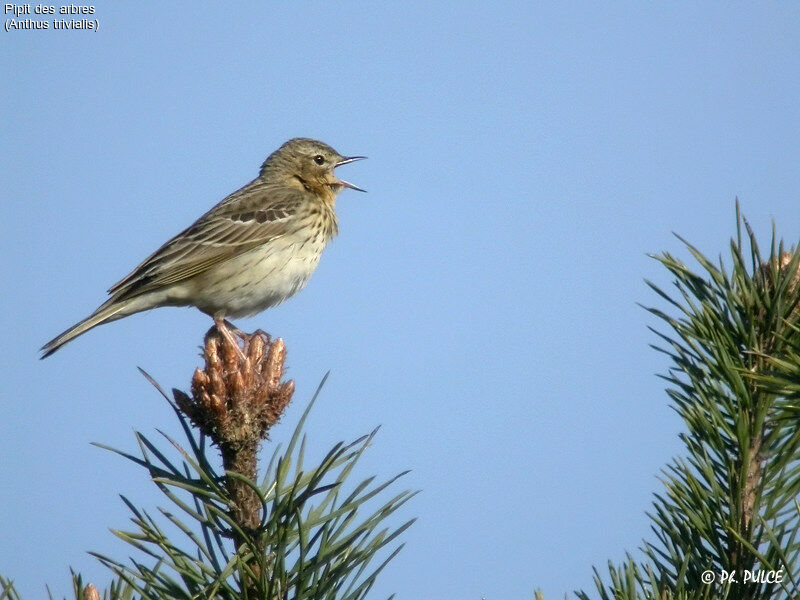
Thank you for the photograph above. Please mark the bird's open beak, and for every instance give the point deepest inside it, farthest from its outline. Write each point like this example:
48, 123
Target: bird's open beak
349, 159
344, 161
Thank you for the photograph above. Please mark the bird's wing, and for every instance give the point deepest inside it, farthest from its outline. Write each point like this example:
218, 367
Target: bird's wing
248, 218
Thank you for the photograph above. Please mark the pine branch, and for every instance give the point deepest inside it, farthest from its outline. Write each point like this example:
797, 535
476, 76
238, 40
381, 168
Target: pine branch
235, 400
297, 534
730, 505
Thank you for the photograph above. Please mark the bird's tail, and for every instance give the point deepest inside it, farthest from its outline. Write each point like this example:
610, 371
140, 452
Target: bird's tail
109, 311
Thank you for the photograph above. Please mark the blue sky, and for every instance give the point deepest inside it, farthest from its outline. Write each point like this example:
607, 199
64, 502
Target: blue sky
480, 301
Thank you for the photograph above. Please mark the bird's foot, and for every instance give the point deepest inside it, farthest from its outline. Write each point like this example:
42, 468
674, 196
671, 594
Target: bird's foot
245, 337
227, 331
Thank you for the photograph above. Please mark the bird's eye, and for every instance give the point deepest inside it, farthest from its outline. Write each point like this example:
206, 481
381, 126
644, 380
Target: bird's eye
319, 159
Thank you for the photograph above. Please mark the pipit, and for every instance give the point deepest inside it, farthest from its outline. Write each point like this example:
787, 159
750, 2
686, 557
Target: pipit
253, 250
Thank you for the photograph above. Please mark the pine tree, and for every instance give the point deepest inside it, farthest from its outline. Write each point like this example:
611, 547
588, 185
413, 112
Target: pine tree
726, 522
292, 531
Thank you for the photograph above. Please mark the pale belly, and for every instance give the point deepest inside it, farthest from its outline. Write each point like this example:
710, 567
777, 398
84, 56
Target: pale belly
255, 280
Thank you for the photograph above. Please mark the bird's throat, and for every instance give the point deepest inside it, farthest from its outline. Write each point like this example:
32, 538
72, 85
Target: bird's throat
323, 190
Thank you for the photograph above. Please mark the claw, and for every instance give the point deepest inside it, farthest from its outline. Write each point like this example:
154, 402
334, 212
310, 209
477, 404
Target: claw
224, 328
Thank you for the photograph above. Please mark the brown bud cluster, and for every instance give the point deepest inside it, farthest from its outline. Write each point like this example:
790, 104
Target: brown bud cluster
779, 267
90, 592
783, 261
239, 395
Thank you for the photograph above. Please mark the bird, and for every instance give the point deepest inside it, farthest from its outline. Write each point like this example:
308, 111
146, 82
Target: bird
253, 250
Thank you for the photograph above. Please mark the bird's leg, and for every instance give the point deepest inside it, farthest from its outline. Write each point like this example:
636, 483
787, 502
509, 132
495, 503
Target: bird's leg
225, 332
245, 337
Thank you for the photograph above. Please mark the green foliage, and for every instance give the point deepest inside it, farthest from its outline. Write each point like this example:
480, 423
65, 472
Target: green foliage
118, 590
319, 538
318, 542
7, 590
729, 505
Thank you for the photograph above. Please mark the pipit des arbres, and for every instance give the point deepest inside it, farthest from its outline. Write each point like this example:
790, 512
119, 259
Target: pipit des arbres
253, 250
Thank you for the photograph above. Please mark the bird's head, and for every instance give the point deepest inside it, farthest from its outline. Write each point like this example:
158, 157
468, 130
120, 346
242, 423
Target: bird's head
311, 164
